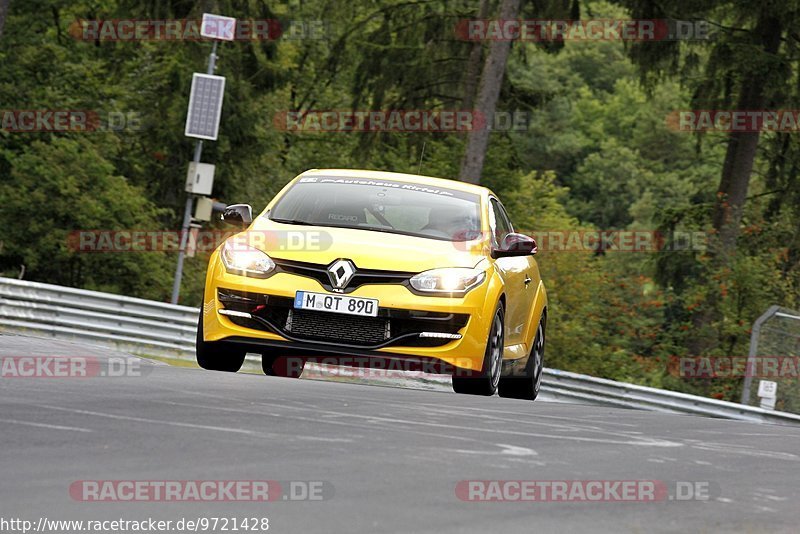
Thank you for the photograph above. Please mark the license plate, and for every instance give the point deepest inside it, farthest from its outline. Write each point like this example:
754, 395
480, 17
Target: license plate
305, 300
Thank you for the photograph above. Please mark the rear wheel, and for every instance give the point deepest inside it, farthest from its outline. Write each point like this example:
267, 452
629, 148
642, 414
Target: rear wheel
485, 383
527, 386
284, 366
216, 355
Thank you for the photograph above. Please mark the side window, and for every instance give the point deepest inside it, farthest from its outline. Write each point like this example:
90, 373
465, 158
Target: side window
500, 223
506, 217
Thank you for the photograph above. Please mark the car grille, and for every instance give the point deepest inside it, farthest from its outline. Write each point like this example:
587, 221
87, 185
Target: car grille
337, 327
361, 277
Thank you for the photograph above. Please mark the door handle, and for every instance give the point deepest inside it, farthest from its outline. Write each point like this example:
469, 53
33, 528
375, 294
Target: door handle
527, 280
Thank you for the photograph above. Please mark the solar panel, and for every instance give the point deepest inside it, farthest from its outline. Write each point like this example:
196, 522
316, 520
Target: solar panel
205, 106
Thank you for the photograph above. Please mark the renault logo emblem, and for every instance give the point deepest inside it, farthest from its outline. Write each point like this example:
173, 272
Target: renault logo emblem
340, 272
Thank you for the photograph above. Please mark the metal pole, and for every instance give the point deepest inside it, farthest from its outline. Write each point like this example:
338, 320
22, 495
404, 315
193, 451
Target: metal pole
187, 211
751, 357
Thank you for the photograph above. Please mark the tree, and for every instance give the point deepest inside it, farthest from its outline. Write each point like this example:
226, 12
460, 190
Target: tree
472, 72
765, 39
749, 64
73, 181
749, 67
488, 93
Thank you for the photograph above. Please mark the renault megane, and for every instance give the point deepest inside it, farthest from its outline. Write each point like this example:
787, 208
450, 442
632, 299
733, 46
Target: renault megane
383, 266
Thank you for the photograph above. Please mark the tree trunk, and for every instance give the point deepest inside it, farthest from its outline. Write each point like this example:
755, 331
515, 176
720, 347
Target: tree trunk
3, 12
741, 149
728, 209
473, 70
732, 191
491, 81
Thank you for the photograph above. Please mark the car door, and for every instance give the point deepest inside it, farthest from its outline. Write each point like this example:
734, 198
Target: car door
516, 272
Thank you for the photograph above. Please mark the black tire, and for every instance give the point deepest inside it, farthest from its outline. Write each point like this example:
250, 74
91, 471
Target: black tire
486, 382
527, 387
216, 355
283, 366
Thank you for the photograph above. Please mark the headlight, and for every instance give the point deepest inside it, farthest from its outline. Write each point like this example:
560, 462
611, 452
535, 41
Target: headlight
454, 280
245, 260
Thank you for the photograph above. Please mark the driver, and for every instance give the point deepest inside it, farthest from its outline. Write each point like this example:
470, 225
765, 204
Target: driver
449, 221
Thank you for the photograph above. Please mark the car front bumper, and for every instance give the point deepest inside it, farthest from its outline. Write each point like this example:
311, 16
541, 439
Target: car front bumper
393, 335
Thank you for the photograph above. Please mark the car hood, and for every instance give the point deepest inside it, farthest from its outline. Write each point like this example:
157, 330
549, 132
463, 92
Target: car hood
368, 249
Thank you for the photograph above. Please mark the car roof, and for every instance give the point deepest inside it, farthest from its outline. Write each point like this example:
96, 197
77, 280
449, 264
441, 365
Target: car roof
401, 177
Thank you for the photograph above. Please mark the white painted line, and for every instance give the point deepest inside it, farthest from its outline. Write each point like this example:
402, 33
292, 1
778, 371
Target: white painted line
43, 425
146, 420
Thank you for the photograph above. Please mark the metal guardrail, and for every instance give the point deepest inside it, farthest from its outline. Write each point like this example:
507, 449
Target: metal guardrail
147, 327
137, 325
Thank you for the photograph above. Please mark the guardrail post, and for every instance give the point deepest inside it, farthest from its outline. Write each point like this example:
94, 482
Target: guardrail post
751, 356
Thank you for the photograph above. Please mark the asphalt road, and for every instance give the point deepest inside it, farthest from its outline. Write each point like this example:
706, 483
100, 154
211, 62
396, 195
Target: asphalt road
389, 459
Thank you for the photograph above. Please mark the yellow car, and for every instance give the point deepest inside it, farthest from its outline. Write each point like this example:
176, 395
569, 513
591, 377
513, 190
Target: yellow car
378, 269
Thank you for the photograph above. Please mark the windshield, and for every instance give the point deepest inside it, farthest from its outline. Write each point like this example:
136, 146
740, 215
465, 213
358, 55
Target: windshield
381, 205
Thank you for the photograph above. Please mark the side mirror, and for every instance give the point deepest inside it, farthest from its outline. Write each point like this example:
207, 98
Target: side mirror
238, 214
515, 245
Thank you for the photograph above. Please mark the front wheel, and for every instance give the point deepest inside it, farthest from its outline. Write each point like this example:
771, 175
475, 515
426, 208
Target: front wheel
485, 383
216, 355
527, 386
